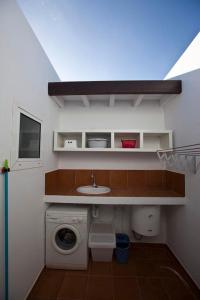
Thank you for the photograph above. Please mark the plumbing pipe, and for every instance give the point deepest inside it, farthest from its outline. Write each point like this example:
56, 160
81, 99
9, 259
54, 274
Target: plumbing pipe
137, 236
95, 211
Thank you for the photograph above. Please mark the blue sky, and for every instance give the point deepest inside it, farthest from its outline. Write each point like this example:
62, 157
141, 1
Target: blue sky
113, 39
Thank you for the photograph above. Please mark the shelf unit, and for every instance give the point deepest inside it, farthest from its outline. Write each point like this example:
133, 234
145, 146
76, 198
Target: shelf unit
146, 140
86, 93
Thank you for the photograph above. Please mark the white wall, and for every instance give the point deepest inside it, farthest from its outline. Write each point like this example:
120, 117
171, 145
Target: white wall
183, 223
146, 116
24, 73
188, 61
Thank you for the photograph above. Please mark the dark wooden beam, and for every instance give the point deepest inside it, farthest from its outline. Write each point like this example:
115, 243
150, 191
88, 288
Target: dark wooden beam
115, 87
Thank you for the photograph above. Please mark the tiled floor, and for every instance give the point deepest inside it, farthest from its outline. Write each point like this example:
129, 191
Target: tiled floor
152, 273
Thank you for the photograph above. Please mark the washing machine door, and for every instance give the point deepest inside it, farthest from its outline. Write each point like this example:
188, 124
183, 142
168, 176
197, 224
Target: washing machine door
66, 239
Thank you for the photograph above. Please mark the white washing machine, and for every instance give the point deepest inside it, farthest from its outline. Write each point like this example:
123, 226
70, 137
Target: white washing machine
67, 229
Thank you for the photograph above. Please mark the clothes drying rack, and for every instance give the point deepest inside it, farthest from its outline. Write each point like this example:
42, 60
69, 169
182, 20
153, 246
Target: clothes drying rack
185, 158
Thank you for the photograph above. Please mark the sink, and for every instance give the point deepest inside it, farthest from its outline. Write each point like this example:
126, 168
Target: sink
93, 190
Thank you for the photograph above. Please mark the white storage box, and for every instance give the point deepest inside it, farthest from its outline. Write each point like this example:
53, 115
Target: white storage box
70, 144
102, 241
97, 143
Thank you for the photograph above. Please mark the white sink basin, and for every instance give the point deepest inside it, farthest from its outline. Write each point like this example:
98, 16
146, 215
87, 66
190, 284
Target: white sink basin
93, 190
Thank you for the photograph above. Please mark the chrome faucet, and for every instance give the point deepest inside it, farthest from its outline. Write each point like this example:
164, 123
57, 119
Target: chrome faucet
93, 180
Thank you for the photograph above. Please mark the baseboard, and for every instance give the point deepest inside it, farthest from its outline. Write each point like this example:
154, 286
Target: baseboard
184, 268
34, 282
147, 243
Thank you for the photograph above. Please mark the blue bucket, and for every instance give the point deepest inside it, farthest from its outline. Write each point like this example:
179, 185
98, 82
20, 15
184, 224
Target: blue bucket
122, 246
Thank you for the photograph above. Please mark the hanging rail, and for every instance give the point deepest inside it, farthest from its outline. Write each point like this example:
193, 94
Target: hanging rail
184, 157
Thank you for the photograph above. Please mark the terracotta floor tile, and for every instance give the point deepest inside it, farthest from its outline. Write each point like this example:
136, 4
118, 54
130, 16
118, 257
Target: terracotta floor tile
158, 253
176, 289
100, 268
78, 272
139, 252
151, 289
149, 252
126, 289
100, 288
147, 268
48, 285
73, 288
151, 270
128, 269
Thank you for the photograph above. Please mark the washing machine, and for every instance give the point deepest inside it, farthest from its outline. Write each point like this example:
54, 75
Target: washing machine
67, 230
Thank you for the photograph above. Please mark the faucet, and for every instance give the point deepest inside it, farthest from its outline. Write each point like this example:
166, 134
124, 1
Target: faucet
93, 180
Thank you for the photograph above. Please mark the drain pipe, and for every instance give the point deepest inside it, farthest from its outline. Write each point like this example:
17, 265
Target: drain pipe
180, 277
5, 171
137, 236
95, 211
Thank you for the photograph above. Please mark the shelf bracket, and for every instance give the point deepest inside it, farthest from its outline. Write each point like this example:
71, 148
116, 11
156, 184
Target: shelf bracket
112, 100
195, 164
166, 98
59, 101
85, 100
138, 100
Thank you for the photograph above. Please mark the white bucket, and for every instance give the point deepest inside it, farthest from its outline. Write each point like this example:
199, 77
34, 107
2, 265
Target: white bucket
97, 143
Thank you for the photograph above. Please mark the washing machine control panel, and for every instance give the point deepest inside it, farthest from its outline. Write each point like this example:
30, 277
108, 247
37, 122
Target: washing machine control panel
66, 219
77, 220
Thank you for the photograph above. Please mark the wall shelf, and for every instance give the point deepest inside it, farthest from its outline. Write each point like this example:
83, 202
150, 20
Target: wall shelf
110, 93
147, 140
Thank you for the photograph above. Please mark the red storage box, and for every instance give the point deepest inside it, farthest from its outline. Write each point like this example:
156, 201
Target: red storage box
128, 143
